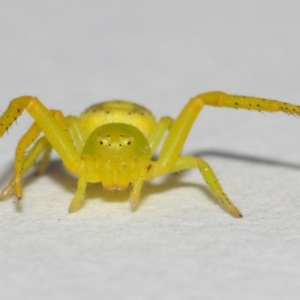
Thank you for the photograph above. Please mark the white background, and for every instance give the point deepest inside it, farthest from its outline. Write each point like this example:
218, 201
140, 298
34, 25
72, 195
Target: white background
179, 244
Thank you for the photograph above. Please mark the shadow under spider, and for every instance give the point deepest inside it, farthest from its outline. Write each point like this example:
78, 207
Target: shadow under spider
246, 158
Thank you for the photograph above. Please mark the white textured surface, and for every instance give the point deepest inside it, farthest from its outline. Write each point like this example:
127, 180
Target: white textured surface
180, 244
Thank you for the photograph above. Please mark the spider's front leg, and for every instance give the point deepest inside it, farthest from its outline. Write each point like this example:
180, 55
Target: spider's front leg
55, 128
221, 99
169, 160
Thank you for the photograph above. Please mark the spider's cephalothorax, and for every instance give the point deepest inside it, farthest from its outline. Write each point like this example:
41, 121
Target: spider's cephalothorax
113, 142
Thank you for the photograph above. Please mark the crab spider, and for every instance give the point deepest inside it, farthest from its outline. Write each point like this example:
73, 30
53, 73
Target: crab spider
113, 143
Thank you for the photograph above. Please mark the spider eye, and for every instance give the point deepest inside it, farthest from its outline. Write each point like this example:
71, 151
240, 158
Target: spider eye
110, 141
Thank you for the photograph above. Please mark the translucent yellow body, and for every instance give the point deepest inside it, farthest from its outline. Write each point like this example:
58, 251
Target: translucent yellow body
113, 143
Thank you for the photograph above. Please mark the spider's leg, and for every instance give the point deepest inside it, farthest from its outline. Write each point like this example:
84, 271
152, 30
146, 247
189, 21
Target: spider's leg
40, 146
44, 162
76, 132
27, 139
53, 125
187, 162
136, 191
176, 138
79, 196
158, 132
169, 161
222, 99
182, 125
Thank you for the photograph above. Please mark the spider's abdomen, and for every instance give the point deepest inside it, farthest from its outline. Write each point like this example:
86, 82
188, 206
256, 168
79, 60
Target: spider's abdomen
117, 111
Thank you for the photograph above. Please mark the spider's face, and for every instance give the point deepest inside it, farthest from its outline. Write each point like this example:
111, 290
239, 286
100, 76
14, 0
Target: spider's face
117, 141
120, 152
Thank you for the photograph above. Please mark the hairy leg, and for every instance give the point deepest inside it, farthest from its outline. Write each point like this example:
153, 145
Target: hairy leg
54, 127
41, 146
221, 99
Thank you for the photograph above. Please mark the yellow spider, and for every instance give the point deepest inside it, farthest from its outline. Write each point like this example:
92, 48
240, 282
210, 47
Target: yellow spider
113, 143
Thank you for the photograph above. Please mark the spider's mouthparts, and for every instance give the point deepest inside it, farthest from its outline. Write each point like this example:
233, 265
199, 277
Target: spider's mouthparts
115, 186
